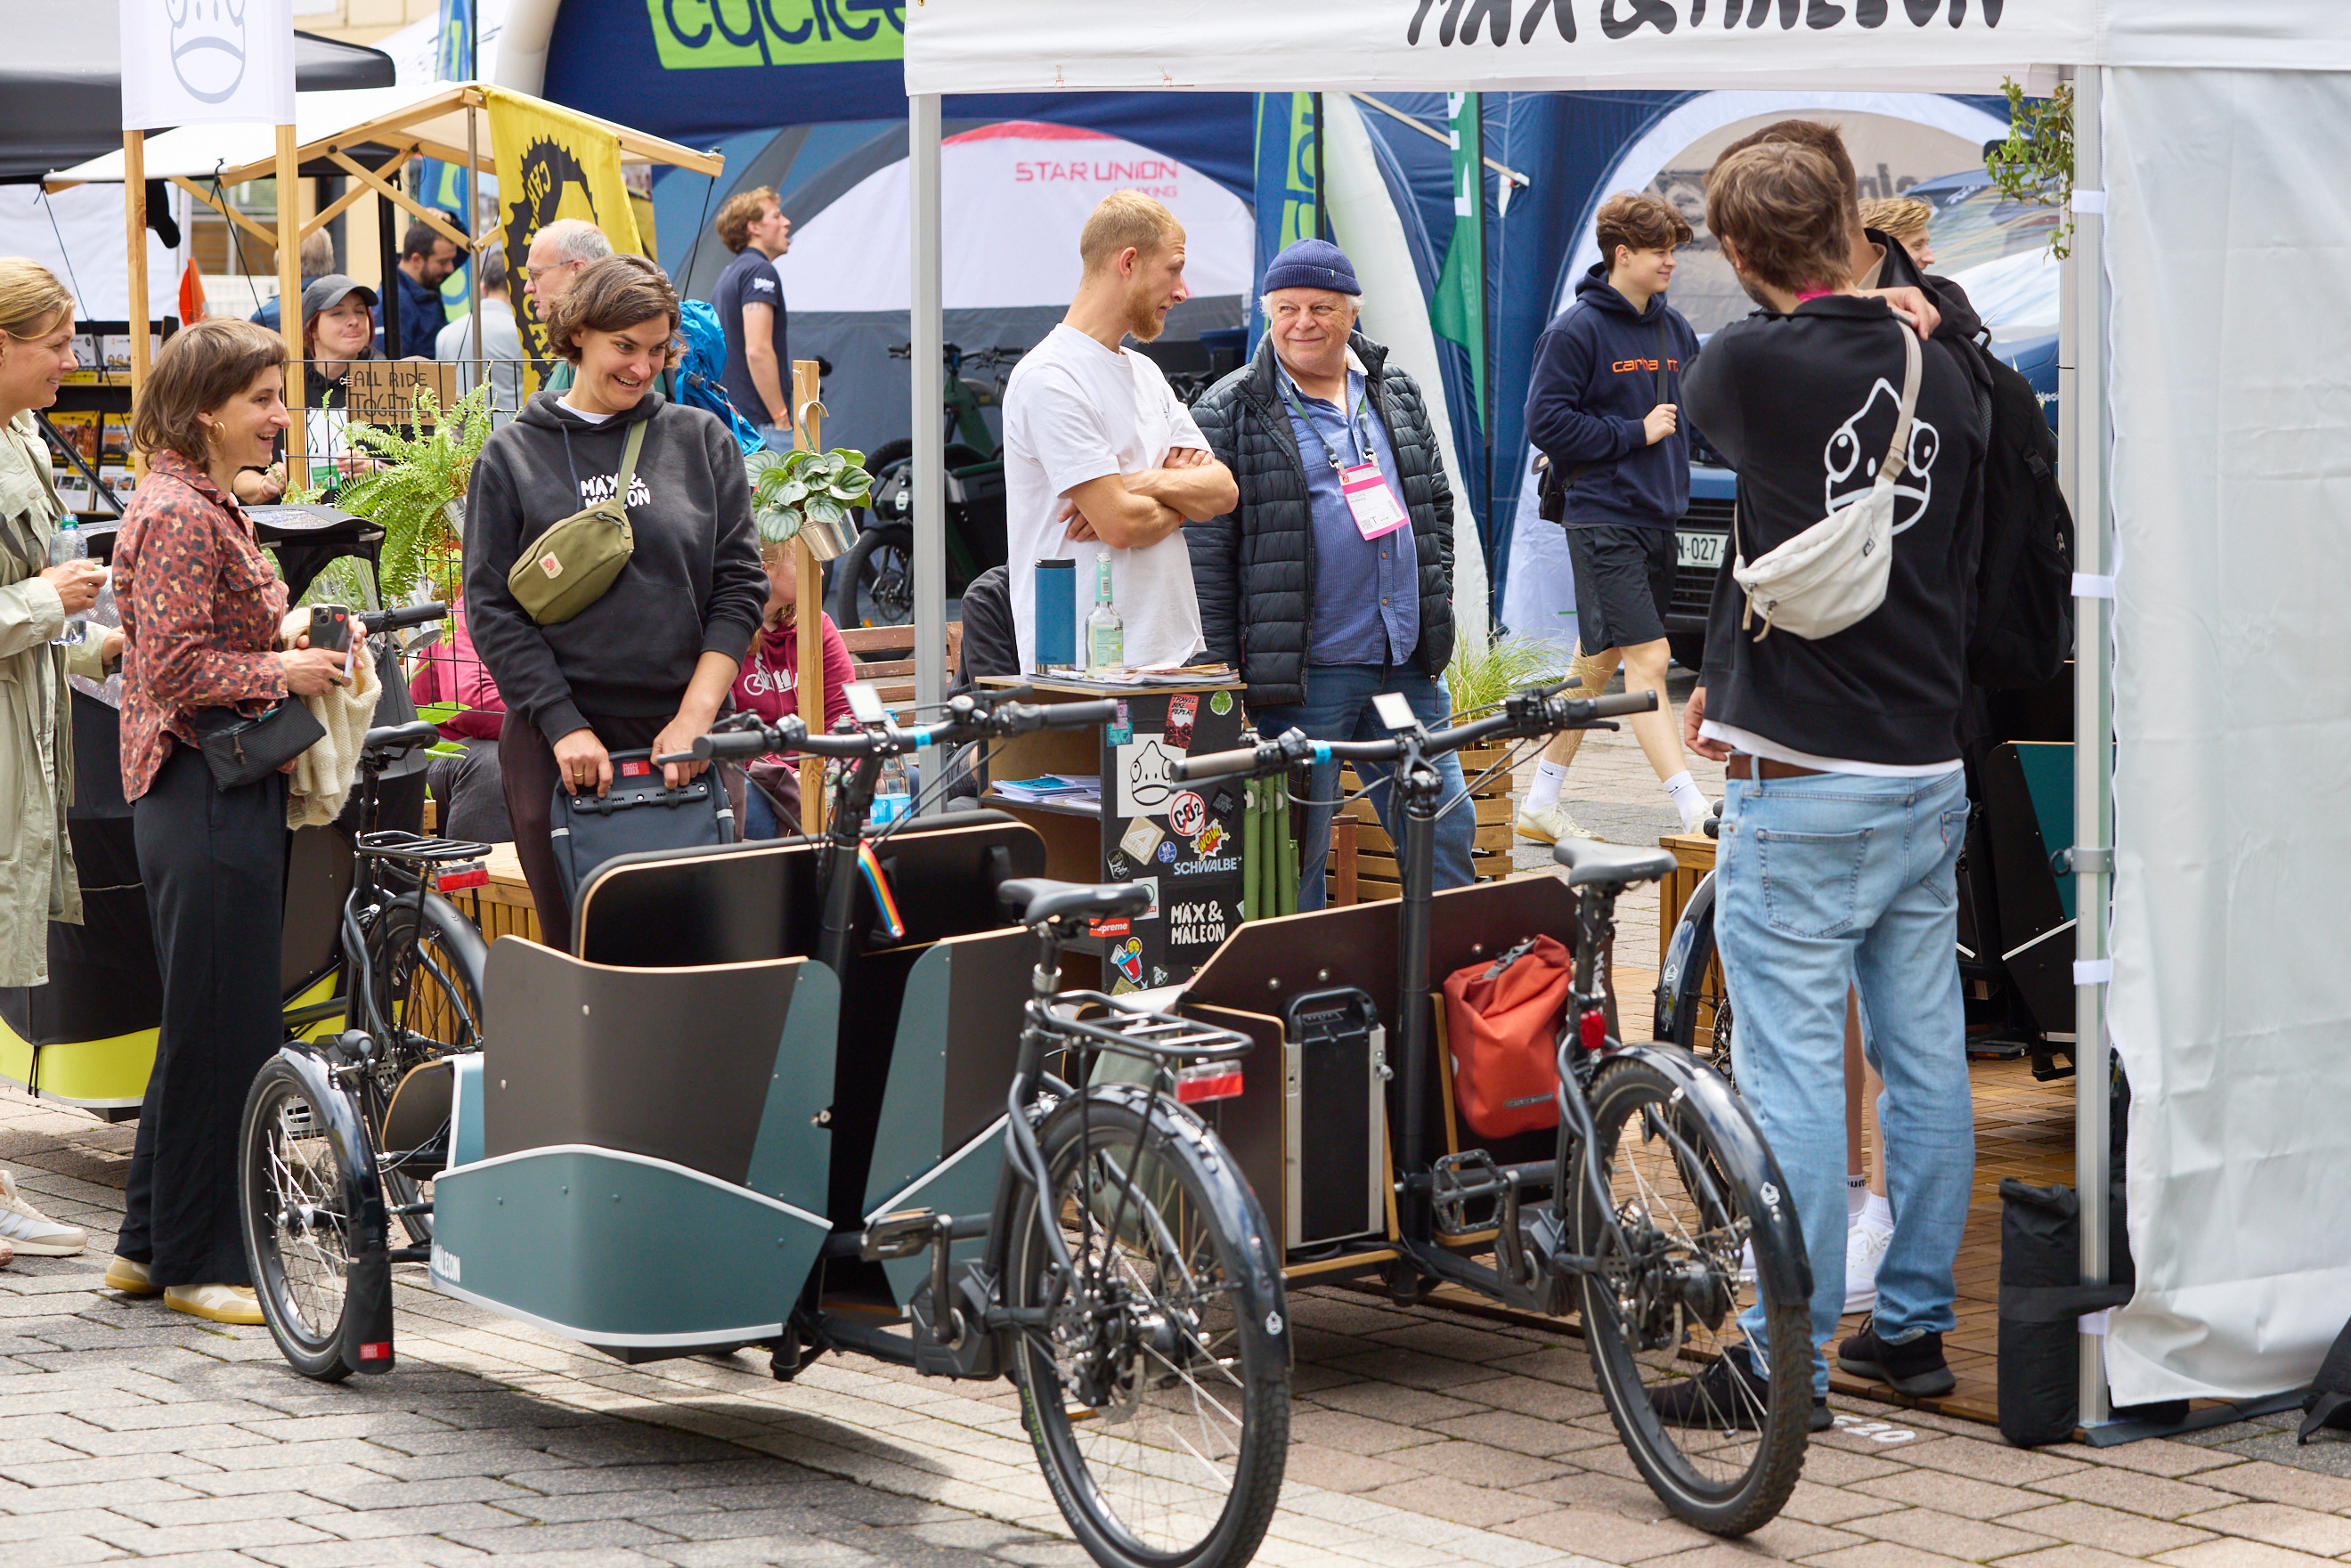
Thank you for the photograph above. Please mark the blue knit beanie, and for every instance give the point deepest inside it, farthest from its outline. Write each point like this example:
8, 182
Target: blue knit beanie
1311, 264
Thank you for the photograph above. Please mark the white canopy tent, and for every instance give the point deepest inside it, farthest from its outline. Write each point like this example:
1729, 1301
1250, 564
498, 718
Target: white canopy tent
2227, 467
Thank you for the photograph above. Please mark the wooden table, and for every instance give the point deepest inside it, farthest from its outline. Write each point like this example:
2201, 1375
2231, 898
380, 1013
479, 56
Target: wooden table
1693, 859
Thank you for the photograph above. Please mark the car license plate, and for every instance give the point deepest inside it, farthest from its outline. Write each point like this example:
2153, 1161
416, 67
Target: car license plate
1702, 549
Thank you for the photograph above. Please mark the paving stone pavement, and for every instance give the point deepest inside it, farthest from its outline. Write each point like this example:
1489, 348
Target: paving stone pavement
1421, 1439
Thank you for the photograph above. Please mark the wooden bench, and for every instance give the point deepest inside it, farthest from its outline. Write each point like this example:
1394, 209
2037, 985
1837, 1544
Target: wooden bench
885, 656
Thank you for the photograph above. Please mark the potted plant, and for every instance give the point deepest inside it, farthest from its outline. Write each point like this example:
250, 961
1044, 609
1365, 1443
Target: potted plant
808, 495
418, 497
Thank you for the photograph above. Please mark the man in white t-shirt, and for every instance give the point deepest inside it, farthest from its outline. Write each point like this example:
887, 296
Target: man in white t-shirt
1098, 454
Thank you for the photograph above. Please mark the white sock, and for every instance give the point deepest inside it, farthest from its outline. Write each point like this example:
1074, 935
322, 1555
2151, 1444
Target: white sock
1877, 1212
1857, 1196
1693, 805
1544, 793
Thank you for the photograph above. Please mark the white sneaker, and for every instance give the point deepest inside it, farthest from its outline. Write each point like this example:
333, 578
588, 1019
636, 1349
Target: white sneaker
1548, 825
1865, 1250
30, 1232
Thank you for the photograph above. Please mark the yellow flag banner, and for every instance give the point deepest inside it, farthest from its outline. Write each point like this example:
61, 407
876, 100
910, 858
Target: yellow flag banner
553, 164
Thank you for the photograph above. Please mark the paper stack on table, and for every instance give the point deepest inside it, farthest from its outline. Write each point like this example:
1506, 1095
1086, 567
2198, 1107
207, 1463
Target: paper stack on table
1068, 789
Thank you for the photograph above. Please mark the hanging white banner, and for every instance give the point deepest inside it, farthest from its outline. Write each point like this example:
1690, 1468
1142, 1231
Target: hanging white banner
989, 46
207, 62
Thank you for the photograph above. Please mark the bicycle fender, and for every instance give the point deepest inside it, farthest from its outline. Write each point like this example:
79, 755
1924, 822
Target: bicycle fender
1264, 1311
366, 1341
1749, 1156
1671, 980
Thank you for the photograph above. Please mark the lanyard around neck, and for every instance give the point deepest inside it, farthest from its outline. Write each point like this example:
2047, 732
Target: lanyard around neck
1356, 426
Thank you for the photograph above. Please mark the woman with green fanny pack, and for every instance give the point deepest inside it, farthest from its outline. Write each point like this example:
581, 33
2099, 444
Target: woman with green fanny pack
613, 573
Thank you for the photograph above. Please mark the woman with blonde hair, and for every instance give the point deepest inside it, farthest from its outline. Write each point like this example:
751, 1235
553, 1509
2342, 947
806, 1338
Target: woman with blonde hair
1902, 219
37, 862
201, 604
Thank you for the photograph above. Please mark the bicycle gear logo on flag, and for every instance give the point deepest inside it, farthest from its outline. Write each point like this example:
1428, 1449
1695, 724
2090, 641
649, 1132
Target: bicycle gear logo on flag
553, 164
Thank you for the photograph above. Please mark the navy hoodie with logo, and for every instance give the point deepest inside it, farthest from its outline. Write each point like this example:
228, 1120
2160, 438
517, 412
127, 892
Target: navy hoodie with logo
1595, 381
692, 584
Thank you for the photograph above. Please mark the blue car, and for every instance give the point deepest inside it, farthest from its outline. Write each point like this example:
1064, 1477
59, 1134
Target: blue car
1995, 248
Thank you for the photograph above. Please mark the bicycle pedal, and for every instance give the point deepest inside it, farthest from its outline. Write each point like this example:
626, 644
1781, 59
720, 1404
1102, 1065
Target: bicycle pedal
896, 1236
1454, 1182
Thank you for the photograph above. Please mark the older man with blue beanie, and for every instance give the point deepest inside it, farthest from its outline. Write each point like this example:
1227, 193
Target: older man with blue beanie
1332, 581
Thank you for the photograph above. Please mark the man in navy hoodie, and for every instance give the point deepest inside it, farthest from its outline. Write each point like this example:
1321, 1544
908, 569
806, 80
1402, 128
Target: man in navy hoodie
1602, 406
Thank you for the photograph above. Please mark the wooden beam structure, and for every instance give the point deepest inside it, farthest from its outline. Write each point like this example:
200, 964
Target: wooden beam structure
808, 435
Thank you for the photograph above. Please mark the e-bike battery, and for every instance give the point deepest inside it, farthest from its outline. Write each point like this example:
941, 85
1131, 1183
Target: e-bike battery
1334, 1101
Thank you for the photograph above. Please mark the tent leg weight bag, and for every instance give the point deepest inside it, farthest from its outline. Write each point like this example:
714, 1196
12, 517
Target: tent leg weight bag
2042, 1300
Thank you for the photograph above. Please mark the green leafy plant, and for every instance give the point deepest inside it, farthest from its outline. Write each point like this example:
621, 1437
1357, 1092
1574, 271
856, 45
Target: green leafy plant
791, 489
2035, 164
1481, 677
409, 497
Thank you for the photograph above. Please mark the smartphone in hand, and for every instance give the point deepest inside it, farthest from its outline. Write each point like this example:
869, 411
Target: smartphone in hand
330, 626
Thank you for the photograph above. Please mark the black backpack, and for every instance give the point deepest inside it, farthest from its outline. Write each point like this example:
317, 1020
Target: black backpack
2024, 629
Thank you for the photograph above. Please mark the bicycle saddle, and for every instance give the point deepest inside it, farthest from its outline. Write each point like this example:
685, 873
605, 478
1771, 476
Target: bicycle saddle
1590, 862
399, 737
1037, 900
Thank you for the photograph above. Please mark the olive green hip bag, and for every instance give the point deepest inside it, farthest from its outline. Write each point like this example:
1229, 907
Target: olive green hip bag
570, 565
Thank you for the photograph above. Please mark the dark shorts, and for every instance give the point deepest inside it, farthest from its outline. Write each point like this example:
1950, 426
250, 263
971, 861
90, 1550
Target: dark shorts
1623, 583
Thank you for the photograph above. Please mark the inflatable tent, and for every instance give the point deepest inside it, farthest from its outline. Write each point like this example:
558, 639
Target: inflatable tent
2223, 468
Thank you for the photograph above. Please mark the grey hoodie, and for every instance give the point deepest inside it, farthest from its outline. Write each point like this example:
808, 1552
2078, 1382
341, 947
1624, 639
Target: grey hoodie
694, 584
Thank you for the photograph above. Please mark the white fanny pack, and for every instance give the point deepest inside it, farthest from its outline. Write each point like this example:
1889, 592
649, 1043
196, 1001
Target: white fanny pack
1835, 572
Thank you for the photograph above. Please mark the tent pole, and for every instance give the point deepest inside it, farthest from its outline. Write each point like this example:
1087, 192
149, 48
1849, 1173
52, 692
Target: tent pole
2093, 722
927, 330
289, 296
473, 224
135, 208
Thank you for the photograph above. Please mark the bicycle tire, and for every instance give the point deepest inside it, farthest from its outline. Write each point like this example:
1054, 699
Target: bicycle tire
1686, 1211
427, 1003
1702, 1019
298, 1201
876, 574
1198, 1380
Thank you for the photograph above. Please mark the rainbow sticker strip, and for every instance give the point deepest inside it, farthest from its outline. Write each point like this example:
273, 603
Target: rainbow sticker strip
883, 900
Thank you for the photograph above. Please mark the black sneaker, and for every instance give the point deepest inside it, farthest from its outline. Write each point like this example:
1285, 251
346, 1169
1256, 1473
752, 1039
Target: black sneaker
1915, 1367
1727, 1397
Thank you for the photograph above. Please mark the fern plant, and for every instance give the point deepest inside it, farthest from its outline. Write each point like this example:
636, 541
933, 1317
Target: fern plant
409, 497
794, 488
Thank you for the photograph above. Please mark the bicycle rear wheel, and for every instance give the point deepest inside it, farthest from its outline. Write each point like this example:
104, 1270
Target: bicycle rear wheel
1157, 1395
1700, 1018
300, 1211
426, 980
1684, 1193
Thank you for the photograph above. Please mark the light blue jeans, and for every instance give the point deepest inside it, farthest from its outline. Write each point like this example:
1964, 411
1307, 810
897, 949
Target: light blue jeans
1338, 706
1828, 881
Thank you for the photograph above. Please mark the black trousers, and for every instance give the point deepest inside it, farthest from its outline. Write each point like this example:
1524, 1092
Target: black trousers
527, 769
215, 866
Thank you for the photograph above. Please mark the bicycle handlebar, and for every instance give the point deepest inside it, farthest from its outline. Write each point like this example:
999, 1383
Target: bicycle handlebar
967, 718
1529, 714
402, 620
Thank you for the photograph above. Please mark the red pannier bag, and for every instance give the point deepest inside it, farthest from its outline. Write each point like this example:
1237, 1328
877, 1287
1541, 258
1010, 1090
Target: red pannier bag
1502, 1022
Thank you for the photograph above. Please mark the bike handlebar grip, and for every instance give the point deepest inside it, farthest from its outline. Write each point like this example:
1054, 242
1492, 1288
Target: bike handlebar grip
727, 743
1079, 716
1623, 703
1217, 764
401, 619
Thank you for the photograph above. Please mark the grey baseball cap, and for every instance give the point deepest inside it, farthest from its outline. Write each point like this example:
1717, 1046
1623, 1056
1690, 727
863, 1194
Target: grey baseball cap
326, 293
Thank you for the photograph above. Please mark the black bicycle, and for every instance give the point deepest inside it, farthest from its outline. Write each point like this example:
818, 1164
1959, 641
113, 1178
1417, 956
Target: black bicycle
1662, 1214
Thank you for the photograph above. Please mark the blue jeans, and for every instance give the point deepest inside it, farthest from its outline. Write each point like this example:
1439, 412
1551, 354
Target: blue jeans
1834, 881
1338, 706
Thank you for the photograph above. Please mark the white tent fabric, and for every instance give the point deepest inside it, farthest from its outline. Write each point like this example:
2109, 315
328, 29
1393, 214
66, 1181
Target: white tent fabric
77, 234
1014, 196
2231, 480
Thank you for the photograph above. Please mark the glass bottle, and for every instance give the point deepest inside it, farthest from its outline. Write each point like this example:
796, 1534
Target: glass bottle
1106, 633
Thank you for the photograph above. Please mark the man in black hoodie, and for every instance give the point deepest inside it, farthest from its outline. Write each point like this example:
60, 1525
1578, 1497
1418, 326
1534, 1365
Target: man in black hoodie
1845, 804
1601, 406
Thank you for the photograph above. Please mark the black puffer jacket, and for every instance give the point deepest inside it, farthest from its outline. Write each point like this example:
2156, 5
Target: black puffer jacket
1254, 567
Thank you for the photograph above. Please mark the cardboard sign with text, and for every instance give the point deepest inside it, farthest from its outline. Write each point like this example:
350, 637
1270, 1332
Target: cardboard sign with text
383, 391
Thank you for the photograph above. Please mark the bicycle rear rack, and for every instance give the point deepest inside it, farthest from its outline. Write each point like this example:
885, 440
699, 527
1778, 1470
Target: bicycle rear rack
1204, 1059
459, 862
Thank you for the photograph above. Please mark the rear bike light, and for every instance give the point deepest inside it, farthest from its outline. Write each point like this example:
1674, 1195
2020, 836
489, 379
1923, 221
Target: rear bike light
1207, 1081
1594, 1027
452, 878
379, 1350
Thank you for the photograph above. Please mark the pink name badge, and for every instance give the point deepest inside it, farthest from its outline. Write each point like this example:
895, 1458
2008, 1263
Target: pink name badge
1377, 511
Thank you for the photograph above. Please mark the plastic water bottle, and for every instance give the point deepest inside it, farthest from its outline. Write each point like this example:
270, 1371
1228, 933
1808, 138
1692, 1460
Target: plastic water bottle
893, 793
66, 545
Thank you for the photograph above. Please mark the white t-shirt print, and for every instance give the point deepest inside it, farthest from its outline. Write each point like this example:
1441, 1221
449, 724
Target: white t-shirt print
1075, 411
